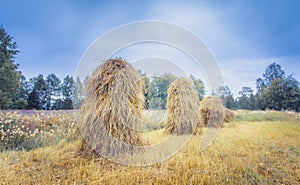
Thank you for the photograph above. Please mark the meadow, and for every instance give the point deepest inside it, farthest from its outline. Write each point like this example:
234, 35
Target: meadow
259, 147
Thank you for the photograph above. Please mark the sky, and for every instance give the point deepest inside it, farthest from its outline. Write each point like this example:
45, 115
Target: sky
244, 36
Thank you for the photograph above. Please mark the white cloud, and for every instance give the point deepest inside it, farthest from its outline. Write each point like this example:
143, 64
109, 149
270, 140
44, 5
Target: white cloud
241, 59
213, 25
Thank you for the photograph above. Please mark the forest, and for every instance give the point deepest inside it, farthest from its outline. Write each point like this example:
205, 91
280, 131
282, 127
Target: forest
275, 90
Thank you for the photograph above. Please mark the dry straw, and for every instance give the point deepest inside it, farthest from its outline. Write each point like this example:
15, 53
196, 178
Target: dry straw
112, 110
211, 112
182, 106
229, 115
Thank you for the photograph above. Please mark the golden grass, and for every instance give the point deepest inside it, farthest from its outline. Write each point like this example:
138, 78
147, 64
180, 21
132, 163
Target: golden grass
243, 153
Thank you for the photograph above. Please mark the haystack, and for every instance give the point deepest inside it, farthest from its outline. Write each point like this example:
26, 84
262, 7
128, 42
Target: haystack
112, 110
211, 111
229, 115
182, 106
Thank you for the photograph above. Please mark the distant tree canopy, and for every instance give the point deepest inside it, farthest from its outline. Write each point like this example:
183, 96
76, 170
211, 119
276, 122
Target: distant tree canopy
48, 93
226, 95
277, 91
9, 76
199, 86
155, 89
246, 99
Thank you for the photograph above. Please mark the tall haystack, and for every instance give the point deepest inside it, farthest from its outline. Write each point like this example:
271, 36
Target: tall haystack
211, 111
112, 110
182, 106
229, 115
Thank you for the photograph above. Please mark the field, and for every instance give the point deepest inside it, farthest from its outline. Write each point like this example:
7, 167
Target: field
257, 148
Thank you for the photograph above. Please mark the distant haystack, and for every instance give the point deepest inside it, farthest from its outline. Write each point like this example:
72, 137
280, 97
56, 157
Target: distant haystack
112, 110
182, 106
211, 111
229, 115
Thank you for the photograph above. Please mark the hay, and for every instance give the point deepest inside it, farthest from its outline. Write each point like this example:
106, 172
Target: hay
229, 115
112, 110
182, 106
211, 112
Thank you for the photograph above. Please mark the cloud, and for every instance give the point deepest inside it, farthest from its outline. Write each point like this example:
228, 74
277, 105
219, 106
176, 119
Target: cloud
213, 24
53, 37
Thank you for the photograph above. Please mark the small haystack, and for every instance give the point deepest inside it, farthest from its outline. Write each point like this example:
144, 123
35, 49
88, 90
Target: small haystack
112, 110
211, 111
229, 115
182, 106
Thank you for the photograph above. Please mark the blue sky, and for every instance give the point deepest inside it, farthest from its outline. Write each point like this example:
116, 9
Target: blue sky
245, 36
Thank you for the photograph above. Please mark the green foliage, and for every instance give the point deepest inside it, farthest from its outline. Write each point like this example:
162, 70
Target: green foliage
50, 93
277, 91
53, 90
67, 92
226, 96
157, 90
272, 73
199, 86
246, 100
9, 76
156, 103
38, 95
267, 116
33, 100
20, 99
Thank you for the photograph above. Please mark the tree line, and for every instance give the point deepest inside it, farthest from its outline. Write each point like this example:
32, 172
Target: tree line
274, 90
155, 89
36, 93
46, 93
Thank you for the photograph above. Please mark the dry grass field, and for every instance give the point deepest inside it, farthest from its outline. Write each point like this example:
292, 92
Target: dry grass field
256, 148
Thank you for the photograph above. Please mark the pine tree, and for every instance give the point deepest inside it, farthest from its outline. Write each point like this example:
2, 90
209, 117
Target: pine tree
9, 76
53, 90
67, 92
